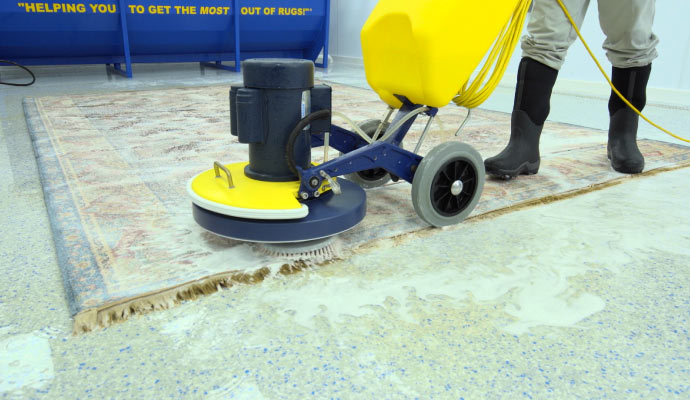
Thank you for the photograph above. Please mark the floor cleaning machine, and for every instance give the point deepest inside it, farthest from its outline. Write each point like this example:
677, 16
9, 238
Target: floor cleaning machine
280, 196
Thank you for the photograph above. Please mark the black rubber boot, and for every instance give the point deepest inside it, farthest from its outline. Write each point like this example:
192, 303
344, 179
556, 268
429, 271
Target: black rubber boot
622, 147
530, 109
521, 155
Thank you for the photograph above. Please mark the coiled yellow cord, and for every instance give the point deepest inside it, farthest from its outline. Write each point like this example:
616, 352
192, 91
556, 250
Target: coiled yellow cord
567, 14
473, 94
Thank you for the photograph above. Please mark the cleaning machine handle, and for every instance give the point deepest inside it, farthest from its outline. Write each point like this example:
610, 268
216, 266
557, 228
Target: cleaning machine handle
217, 167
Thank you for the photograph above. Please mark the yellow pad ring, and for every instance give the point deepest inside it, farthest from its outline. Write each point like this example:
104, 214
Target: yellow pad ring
248, 198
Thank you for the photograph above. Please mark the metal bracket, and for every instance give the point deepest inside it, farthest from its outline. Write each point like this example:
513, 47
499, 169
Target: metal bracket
380, 127
464, 122
426, 130
125, 43
335, 186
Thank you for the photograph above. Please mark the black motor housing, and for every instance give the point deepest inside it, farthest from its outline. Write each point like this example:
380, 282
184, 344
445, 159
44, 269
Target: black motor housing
275, 96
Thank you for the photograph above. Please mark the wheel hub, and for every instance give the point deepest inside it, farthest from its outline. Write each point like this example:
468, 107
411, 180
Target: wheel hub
453, 187
456, 187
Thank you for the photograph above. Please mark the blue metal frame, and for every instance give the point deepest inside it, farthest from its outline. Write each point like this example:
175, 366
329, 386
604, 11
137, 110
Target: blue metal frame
236, 8
125, 43
327, 27
358, 155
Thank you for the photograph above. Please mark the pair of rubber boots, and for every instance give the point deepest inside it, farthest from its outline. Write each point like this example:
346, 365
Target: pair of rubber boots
531, 107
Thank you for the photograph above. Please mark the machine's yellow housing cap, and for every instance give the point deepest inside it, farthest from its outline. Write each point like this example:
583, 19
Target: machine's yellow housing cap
426, 50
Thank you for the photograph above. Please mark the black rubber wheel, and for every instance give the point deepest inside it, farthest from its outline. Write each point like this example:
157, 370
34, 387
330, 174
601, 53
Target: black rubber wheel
375, 177
448, 183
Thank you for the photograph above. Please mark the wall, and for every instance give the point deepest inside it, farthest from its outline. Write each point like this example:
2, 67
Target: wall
670, 71
347, 19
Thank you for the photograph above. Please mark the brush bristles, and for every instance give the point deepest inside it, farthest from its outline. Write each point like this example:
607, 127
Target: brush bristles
325, 252
318, 250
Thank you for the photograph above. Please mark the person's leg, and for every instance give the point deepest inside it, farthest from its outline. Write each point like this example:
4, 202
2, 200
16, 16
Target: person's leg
630, 46
549, 35
549, 32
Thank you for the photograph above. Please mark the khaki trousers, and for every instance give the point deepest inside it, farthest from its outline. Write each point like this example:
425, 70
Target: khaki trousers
627, 25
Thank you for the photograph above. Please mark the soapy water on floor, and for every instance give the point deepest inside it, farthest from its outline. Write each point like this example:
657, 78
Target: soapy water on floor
528, 278
25, 362
533, 296
530, 268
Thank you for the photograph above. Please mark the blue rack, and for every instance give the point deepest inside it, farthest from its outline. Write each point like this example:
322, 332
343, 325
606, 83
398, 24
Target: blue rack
46, 32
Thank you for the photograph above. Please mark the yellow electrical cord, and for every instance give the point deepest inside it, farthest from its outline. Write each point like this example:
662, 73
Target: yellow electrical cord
567, 14
473, 94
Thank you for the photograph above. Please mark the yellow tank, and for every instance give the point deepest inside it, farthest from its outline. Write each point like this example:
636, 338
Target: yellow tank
426, 50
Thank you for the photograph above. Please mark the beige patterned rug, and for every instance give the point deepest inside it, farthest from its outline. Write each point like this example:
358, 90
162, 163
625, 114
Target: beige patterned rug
114, 168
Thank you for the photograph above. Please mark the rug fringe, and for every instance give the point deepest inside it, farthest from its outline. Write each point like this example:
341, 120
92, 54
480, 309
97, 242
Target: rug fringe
92, 319
574, 193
